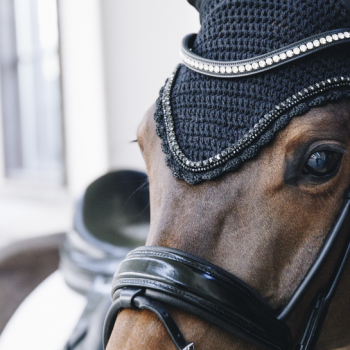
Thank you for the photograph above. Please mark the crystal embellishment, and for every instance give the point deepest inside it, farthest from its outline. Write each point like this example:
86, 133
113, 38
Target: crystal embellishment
283, 56
236, 148
263, 62
269, 61
276, 58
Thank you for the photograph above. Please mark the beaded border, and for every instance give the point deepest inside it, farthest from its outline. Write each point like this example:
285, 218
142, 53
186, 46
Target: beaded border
249, 137
232, 69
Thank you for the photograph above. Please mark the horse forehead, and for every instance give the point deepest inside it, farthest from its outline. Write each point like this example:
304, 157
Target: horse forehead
333, 119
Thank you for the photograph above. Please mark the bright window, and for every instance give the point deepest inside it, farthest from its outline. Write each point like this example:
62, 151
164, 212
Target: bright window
31, 90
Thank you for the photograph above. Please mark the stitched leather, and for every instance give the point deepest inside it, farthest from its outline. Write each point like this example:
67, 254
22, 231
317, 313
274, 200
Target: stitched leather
209, 290
151, 276
133, 298
165, 317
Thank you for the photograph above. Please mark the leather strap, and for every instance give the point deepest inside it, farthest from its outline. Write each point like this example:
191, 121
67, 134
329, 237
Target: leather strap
164, 315
184, 281
133, 298
322, 256
322, 302
151, 276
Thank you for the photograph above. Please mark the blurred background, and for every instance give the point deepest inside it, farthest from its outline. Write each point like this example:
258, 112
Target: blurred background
76, 77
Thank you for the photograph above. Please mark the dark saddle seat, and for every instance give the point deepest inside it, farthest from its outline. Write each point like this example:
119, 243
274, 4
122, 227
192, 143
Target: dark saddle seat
111, 218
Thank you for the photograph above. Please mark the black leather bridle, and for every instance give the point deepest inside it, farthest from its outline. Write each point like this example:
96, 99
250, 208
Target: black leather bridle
151, 277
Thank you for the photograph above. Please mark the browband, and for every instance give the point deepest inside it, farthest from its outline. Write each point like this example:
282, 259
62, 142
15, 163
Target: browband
151, 276
233, 69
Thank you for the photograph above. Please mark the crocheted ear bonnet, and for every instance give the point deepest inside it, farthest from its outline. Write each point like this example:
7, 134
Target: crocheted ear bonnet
253, 66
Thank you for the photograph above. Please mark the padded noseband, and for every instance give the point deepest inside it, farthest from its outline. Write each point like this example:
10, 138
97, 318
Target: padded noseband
152, 276
184, 281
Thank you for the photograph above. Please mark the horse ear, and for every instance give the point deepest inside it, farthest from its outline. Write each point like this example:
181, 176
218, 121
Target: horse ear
197, 4
346, 4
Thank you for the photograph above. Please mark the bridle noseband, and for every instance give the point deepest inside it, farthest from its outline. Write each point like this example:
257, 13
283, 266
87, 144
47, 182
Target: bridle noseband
152, 276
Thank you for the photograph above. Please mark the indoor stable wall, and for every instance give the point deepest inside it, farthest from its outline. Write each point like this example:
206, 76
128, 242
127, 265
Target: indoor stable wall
115, 55
141, 45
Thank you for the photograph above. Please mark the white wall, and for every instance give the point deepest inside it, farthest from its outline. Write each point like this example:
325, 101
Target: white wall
28, 209
116, 56
141, 47
83, 92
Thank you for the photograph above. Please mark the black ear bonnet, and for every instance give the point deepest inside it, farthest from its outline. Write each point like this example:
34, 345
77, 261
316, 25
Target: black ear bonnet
346, 4
210, 125
199, 5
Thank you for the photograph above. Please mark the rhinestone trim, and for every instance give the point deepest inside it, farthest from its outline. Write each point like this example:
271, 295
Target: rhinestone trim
248, 138
232, 69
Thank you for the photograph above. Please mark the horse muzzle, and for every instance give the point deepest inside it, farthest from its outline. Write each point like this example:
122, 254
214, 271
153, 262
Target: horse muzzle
151, 277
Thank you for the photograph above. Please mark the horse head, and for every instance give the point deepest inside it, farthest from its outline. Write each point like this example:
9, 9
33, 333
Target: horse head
261, 211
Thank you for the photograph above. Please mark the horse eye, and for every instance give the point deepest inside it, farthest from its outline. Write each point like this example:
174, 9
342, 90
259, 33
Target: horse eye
322, 163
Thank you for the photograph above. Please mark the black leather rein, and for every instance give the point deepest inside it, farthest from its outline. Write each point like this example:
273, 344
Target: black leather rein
152, 276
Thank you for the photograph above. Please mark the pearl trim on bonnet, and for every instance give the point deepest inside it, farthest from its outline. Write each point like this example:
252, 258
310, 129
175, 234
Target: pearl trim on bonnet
248, 138
232, 69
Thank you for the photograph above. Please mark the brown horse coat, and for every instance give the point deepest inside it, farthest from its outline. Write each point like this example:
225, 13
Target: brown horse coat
264, 223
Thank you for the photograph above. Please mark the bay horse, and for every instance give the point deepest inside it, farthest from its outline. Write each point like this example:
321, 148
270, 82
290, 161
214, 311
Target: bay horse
264, 223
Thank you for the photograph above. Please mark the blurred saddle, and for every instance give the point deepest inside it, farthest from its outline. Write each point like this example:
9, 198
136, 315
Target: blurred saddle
111, 218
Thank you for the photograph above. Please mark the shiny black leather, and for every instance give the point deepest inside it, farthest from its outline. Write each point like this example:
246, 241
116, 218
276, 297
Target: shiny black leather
324, 252
172, 277
179, 279
323, 300
133, 298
